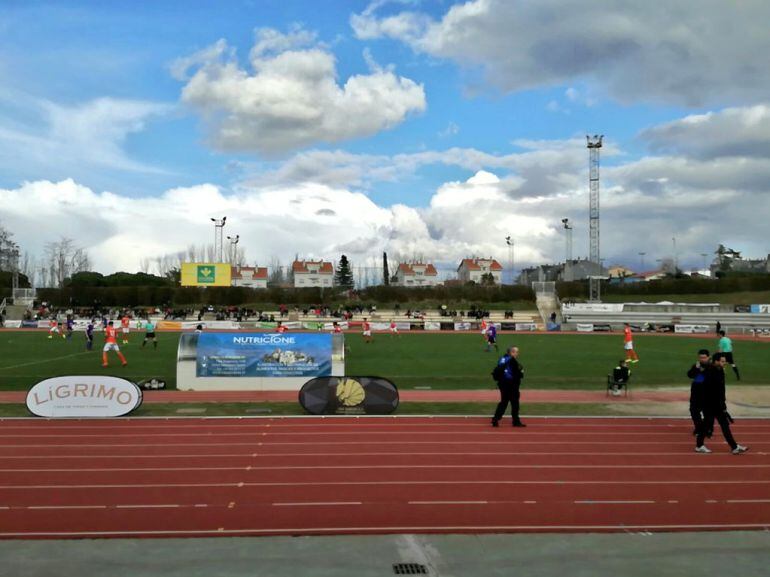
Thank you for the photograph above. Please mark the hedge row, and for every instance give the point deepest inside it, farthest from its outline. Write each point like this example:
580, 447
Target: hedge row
236, 296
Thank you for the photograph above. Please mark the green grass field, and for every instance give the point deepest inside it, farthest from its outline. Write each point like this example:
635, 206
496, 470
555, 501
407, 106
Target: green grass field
439, 361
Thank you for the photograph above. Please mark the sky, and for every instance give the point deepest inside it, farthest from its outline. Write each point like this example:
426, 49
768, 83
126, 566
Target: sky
430, 129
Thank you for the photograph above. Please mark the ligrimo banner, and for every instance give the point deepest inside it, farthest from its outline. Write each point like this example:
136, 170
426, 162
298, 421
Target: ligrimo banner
83, 396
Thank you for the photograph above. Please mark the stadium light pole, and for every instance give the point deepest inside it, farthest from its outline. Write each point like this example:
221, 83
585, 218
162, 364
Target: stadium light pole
219, 224
641, 260
567, 239
233, 241
704, 255
511, 243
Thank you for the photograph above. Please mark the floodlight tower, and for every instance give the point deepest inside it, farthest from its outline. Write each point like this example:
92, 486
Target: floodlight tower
594, 143
567, 240
233, 241
219, 224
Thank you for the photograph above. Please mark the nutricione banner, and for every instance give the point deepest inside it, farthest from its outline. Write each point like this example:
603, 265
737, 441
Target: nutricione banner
264, 355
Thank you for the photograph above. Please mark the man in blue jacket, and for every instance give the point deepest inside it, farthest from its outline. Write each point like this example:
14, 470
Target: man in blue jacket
509, 374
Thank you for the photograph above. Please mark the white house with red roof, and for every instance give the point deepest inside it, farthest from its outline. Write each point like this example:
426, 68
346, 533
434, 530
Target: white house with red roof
416, 274
249, 276
310, 273
472, 269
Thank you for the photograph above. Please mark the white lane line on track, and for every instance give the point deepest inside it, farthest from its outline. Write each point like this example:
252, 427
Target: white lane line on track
625, 454
595, 502
349, 443
378, 467
44, 507
382, 483
371, 503
385, 433
331, 427
448, 502
147, 506
398, 529
316, 504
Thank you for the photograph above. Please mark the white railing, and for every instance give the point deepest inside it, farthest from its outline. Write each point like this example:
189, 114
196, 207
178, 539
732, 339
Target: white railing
544, 287
24, 296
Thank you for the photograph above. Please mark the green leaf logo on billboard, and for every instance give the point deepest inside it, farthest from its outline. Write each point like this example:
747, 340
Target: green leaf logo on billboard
207, 274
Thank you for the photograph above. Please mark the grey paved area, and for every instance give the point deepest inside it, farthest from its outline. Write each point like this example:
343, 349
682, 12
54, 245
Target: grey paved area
733, 554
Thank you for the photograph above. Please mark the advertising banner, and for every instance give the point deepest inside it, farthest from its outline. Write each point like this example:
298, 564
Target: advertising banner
83, 396
264, 355
349, 395
432, 326
13, 324
205, 274
761, 309
526, 327
585, 327
464, 326
692, 329
592, 308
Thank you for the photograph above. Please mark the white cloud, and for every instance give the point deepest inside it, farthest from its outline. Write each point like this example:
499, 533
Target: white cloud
675, 53
644, 203
52, 137
732, 132
290, 98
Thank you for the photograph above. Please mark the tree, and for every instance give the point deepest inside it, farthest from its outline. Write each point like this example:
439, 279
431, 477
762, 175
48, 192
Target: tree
385, 270
343, 277
276, 277
65, 259
9, 251
487, 279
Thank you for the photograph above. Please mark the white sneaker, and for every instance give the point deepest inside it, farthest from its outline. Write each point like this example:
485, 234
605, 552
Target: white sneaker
739, 449
704, 449
616, 392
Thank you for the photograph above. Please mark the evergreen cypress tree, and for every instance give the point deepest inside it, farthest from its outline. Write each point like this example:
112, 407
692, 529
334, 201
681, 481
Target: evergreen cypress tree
343, 277
385, 270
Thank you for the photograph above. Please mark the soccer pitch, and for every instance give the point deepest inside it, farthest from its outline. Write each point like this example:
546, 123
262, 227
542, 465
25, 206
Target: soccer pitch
439, 361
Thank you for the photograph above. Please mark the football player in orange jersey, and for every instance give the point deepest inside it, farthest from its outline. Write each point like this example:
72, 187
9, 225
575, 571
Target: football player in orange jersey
125, 322
111, 344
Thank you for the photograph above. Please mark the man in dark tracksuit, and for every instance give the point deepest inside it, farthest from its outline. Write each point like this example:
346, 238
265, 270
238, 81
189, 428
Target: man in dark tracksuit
715, 407
697, 393
509, 383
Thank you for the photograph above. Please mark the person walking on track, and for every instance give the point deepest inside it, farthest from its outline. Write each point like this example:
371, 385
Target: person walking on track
715, 407
508, 373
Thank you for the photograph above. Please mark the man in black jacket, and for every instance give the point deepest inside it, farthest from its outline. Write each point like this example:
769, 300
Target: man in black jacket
715, 407
697, 373
509, 382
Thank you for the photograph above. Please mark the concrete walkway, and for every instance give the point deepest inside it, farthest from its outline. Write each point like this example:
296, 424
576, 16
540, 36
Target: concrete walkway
741, 554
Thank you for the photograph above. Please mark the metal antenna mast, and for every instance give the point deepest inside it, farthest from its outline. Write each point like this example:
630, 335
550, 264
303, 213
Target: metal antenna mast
594, 143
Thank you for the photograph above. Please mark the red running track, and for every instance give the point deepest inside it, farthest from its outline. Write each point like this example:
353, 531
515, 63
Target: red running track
305, 476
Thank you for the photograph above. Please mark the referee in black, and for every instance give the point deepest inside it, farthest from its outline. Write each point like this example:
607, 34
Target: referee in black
509, 383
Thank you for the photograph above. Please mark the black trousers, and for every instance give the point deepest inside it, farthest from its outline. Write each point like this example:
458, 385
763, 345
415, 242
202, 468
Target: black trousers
509, 393
708, 424
696, 413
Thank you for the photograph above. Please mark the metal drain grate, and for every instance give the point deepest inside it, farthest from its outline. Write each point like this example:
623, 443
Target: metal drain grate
409, 569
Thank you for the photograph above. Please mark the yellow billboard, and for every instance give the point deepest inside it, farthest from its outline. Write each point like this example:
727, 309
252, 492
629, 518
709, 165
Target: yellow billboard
205, 274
